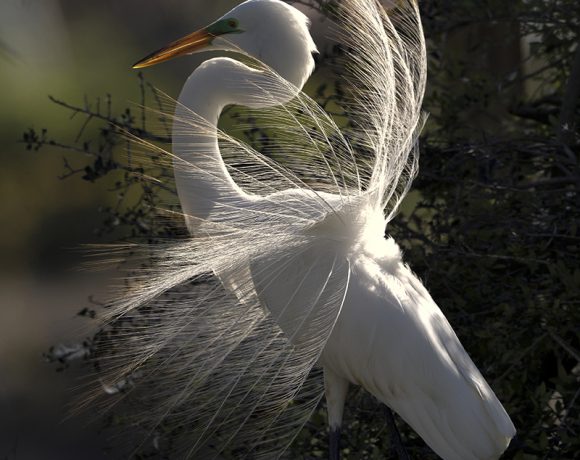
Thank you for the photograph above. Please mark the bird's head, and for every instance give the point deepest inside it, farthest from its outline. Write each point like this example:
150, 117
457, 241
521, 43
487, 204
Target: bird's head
271, 31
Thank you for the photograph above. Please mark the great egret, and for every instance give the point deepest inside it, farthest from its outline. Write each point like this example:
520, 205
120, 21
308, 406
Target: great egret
306, 276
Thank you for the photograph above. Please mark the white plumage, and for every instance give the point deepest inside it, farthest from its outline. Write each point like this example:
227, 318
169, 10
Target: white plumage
306, 277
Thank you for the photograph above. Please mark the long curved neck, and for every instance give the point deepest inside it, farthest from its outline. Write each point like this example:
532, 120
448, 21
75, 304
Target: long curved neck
203, 183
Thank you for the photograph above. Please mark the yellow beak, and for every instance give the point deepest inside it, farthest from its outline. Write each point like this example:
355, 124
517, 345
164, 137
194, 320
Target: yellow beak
186, 45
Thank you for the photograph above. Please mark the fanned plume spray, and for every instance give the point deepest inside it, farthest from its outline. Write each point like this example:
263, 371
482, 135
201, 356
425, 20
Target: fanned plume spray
197, 342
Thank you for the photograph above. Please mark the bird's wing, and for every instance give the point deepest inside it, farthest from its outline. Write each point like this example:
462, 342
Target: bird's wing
405, 352
453, 409
213, 373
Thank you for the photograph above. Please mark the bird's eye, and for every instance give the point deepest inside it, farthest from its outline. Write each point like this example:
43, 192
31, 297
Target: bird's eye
233, 23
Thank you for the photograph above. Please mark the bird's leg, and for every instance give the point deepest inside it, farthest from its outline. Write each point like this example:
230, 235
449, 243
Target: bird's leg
335, 388
334, 444
396, 441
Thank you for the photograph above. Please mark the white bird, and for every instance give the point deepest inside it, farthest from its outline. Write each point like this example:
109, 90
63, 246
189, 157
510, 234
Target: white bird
296, 239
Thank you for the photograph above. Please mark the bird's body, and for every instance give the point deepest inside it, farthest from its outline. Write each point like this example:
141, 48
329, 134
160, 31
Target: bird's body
393, 340
309, 277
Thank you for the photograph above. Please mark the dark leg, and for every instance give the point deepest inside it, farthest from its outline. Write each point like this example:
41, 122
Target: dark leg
334, 443
396, 441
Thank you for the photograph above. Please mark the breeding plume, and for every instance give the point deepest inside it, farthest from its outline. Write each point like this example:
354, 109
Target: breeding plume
286, 287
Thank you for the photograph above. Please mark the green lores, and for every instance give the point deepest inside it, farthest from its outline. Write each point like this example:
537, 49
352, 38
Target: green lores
225, 26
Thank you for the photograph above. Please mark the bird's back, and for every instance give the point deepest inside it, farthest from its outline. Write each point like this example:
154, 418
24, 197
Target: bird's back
392, 339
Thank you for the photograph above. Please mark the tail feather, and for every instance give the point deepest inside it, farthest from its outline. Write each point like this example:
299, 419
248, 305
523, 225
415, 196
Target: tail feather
459, 429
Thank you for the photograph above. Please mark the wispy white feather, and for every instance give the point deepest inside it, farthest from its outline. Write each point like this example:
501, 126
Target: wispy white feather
218, 336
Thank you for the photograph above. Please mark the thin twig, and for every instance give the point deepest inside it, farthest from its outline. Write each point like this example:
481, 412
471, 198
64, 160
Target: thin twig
566, 128
564, 345
520, 358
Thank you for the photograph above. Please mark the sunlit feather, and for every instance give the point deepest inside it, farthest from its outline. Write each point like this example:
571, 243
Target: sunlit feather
220, 336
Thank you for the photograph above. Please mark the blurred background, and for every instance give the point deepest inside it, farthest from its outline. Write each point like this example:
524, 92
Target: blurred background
497, 73
73, 51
